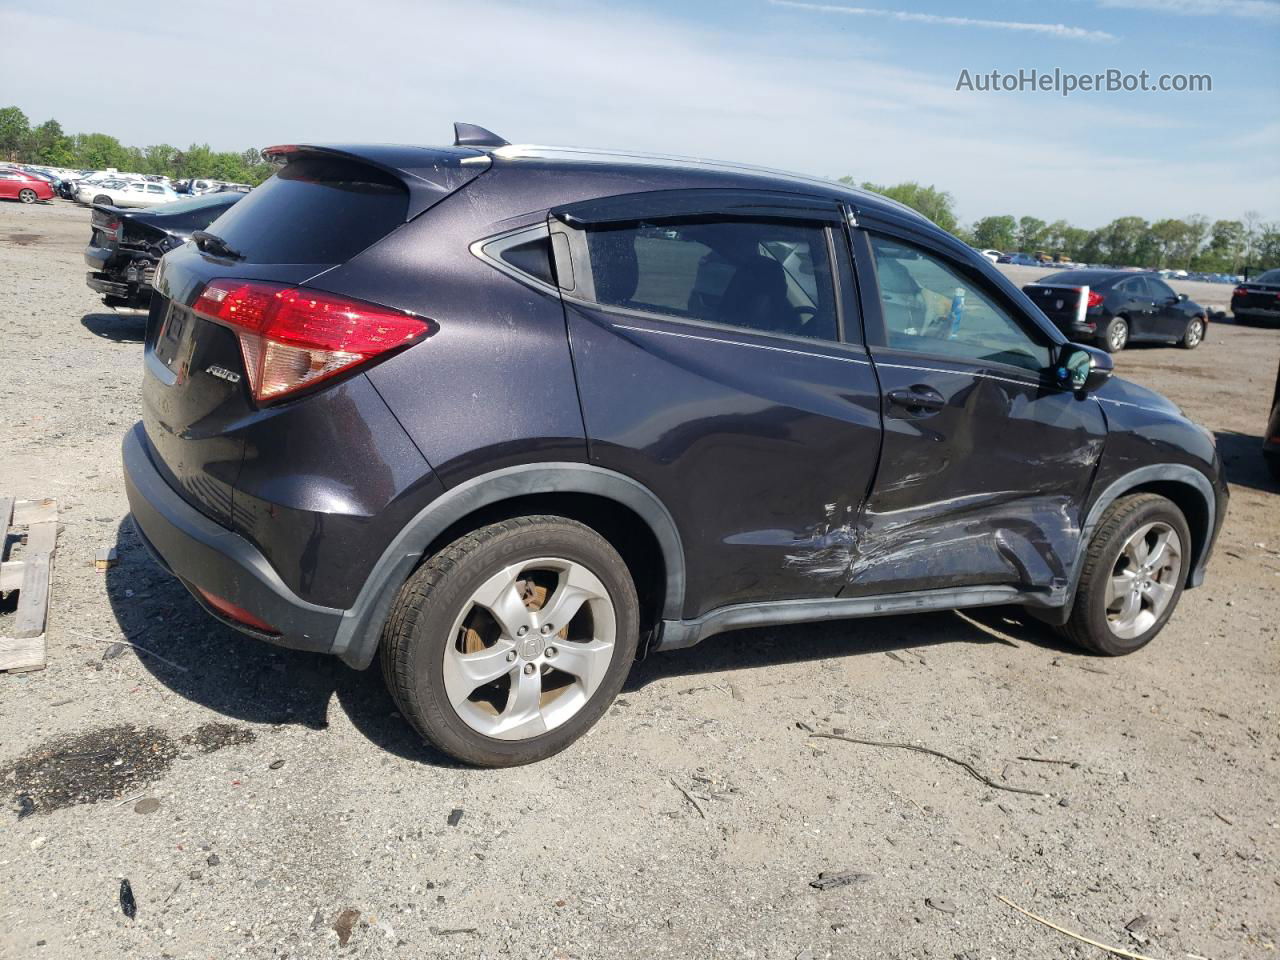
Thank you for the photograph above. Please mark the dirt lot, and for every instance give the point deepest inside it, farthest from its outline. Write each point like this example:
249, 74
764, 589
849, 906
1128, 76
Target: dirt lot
255, 798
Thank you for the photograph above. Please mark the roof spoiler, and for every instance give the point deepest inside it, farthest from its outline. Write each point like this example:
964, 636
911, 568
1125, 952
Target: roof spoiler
471, 135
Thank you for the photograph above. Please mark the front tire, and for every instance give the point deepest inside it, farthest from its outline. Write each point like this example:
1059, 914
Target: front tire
1116, 337
1193, 335
27, 196
512, 641
1134, 571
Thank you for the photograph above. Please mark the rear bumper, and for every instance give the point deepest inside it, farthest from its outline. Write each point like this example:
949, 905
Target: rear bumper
1080, 332
204, 554
1261, 313
110, 288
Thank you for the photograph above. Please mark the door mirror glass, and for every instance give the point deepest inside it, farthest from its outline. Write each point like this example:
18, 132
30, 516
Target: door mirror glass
1082, 369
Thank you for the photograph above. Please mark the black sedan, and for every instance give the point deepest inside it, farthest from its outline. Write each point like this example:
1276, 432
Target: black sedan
126, 245
1114, 308
1258, 299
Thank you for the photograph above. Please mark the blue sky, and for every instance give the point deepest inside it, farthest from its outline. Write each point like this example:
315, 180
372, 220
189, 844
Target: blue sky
823, 87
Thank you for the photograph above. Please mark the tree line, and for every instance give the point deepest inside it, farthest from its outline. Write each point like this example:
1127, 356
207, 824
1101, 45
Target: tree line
1192, 243
49, 145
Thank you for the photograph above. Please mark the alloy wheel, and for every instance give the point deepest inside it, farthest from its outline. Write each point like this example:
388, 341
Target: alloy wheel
1195, 332
27, 196
1119, 334
1144, 580
529, 648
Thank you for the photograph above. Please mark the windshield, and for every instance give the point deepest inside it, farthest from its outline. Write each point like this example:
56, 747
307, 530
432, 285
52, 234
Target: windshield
1271, 276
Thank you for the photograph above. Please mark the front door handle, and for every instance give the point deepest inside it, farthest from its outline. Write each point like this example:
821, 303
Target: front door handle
917, 401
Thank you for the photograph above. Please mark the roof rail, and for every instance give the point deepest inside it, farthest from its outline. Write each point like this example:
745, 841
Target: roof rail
471, 135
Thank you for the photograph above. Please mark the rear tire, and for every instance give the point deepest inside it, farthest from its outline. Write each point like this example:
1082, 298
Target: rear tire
1098, 620
1193, 336
27, 195
474, 653
102, 198
1116, 337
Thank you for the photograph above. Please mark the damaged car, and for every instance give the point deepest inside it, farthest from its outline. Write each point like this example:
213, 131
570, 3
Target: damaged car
125, 245
504, 419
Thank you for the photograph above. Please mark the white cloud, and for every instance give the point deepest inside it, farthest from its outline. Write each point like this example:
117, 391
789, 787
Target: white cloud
1051, 29
1250, 9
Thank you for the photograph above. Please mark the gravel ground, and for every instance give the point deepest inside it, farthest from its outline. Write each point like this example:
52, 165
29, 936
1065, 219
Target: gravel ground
263, 803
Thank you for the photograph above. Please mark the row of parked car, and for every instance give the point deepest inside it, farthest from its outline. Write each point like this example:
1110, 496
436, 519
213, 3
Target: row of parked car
1019, 259
30, 184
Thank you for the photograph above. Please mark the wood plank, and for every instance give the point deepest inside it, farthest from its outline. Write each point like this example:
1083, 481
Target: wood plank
33, 598
27, 512
41, 538
19, 655
10, 575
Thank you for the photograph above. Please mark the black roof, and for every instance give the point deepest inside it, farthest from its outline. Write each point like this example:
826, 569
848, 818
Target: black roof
1093, 277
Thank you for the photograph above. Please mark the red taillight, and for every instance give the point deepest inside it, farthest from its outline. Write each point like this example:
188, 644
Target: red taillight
233, 612
292, 338
1239, 292
1095, 299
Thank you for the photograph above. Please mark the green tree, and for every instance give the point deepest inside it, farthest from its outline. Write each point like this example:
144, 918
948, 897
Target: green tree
1031, 233
995, 233
48, 144
98, 151
15, 132
1124, 241
1268, 245
937, 205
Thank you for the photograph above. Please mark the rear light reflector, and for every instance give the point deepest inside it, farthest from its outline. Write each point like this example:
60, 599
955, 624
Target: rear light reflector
292, 338
233, 612
1095, 300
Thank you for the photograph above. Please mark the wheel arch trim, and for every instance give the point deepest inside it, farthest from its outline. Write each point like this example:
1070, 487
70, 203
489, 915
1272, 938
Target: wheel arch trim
1142, 476
357, 636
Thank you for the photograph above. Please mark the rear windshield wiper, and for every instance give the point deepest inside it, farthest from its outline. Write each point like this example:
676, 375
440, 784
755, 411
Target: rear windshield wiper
212, 243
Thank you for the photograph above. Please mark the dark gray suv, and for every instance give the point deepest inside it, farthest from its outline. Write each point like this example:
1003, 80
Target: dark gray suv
512, 417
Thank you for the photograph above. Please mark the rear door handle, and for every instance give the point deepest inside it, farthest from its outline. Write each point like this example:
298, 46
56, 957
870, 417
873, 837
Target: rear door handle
917, 401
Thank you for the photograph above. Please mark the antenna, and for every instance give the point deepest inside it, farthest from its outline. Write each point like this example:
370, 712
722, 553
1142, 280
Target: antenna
471, 135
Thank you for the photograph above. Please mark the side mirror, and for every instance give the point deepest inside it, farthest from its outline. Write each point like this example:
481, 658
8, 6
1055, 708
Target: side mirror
1181, 297
1082, 369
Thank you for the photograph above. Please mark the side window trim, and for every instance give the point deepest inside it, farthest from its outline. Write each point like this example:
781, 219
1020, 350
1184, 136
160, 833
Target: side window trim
873, 313
490, 250
572, 259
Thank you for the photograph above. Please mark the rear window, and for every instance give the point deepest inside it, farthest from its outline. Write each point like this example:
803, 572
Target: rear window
315, 210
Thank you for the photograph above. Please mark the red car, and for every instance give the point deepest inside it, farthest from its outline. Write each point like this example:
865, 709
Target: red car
18, 185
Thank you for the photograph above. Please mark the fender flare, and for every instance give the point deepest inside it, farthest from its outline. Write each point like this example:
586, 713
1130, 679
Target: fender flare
357, 636
1165, 472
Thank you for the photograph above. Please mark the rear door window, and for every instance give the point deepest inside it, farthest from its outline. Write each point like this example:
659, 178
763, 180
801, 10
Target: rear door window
771, 277
315, 210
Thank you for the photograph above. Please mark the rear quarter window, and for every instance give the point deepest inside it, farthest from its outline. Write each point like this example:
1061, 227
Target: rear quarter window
315, 210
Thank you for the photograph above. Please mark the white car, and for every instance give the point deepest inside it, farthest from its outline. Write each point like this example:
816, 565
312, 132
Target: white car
123, 193
992, 255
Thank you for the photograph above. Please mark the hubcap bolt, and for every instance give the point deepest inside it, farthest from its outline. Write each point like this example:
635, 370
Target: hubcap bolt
529, 668
511, 657
522, 631
546, 629
551, 651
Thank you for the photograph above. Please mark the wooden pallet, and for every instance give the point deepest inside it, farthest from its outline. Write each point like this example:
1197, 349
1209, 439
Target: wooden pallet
23, 648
